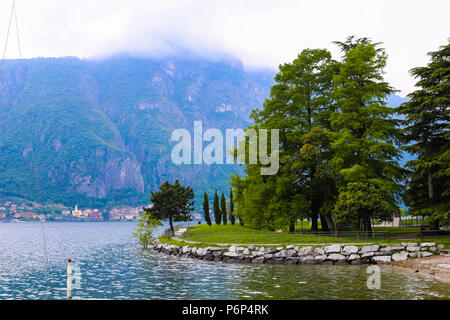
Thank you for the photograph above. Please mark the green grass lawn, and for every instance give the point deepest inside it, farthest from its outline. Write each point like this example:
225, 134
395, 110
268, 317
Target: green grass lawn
233, 234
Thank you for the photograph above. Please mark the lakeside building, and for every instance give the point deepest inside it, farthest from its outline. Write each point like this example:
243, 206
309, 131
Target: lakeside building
126, 213
77, 213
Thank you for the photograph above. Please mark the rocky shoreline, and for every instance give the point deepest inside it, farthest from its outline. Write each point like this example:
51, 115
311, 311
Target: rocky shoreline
336, 254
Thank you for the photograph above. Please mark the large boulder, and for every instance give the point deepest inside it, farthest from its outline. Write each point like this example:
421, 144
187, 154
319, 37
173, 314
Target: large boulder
270, 250
350, 249
393, 248
307, 260
202, 251
305, 251
231, 254
428, 244
258, 260
290, 252
413, 249
381, 259
320, 259
291, 260
410, 244
319, 251
400, 256
383, 252
353, 256
335, 248
424, 254
372, 248
280, 254
336, 257
368, 254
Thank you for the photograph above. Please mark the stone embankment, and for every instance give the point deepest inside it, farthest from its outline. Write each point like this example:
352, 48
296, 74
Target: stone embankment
333, 254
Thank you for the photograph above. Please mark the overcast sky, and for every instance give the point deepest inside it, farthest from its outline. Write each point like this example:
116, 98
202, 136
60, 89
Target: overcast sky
261, 33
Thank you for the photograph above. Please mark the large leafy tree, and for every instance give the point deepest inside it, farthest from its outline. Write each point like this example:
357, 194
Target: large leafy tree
311, 166
300, 100
172, 202
364, 132
427, 135
206, 209
360, 203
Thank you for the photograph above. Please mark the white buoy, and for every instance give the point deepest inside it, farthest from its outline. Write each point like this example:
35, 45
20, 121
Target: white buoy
69, 278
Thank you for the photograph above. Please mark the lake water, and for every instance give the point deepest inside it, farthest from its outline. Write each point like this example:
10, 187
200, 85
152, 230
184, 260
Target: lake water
112, 266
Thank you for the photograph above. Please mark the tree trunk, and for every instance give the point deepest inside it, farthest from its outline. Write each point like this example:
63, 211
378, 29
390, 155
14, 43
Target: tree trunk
436, 224
431, 195
172, 230
324, 222
314, 226
292, 226
430, 185
369, 225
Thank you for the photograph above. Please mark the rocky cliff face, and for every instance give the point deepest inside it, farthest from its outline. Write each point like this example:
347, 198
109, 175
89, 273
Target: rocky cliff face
101, 129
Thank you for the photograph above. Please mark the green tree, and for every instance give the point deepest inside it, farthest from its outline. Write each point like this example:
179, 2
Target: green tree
145, 227
360, 203
300, 100
206, 209
216, 208
363, 130
172, 202
223, 209
232, 217
311, 166
427, 135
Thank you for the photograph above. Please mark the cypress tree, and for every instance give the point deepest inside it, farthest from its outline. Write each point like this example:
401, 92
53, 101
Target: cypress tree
223, 209
232, 217
206, 209
216, 208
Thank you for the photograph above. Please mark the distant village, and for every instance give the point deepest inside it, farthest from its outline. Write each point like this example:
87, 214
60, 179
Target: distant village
10, 211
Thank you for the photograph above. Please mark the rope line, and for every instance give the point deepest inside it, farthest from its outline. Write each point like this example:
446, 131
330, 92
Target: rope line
6, 42
30, 128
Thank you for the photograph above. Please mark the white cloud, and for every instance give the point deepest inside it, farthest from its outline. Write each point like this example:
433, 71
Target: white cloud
261, 33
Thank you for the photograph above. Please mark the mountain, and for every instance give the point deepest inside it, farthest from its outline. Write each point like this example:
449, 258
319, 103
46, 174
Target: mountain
101, 128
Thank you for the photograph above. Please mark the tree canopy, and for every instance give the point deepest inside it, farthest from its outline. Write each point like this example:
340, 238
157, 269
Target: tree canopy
171, 202
427, 136
336, 133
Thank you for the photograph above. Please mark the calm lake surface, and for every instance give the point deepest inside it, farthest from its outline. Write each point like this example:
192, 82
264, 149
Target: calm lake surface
112, 266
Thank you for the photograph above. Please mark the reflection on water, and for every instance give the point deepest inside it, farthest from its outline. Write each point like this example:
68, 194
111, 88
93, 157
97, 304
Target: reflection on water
113, 266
